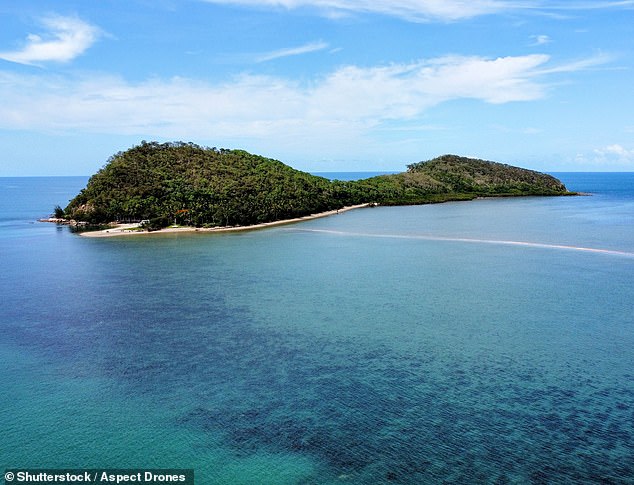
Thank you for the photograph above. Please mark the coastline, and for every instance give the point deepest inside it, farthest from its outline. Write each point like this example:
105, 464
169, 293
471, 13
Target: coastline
130, 229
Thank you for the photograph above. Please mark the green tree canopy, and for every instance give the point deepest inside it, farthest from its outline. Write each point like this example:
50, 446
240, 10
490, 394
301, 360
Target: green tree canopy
198, 186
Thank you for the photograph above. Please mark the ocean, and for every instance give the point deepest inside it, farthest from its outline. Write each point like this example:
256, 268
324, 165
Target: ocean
481, 342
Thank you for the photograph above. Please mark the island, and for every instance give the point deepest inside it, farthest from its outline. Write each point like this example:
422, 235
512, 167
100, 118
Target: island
155, 185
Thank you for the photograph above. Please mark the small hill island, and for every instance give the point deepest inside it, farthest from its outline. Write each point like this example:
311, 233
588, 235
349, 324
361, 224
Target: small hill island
186, 184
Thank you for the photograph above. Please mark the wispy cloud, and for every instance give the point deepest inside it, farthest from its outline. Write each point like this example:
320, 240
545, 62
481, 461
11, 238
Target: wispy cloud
430, 10
582, 64
292, 51
415, 10
615, 154
346, 104
609, 157
587, 5
540, 40
66, 38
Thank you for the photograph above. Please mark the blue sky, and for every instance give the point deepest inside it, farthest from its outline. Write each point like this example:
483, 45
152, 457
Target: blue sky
323, 85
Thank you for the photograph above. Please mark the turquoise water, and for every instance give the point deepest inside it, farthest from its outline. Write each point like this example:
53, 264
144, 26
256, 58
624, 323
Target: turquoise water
472, 342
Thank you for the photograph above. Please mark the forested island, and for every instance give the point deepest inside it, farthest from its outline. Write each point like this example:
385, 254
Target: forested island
183, 183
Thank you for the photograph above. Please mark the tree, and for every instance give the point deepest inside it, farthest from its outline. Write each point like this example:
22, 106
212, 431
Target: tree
203, 186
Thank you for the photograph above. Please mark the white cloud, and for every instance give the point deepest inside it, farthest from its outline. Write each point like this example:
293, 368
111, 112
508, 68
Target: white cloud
67, 38
615, 154
426, 10
344, 105
292, 51
416, 10
613, 157
540, 40
578, 65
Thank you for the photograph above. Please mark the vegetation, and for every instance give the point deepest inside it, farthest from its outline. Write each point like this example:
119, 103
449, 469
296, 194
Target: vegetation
450, 177
182, 183
468, 175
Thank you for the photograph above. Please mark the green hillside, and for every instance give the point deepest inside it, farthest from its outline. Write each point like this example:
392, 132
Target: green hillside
188, 184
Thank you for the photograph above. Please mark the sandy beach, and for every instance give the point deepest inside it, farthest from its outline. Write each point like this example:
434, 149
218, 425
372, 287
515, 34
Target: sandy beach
133, 229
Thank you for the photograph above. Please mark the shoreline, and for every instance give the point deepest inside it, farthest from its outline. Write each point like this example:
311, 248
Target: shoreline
129, 229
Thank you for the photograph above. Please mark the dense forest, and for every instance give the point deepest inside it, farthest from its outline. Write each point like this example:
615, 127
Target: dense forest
187, 184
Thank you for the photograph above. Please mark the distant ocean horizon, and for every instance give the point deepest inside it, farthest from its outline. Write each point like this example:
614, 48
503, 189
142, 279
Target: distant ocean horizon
488, 341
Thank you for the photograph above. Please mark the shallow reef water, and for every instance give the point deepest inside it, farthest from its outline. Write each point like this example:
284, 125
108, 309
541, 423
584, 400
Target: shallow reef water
385, 345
